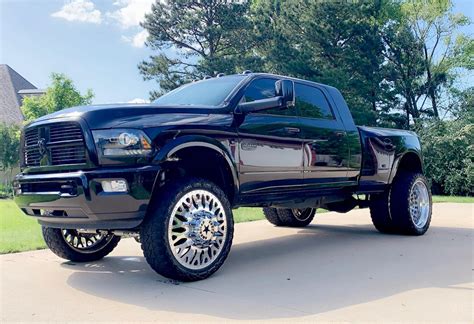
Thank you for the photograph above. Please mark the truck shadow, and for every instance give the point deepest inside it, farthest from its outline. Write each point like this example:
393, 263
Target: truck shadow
317, 269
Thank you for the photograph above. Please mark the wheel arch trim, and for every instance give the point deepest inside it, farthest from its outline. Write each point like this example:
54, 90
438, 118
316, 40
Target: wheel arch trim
198, 141
399, 159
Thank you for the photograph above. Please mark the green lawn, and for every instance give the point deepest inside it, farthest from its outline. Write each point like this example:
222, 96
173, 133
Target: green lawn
18, 232
22, 233
453, 199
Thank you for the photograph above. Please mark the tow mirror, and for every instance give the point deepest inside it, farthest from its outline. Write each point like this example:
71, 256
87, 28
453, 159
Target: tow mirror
286, 90
284, 98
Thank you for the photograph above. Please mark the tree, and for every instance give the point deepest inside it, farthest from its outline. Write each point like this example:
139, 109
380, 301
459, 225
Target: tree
335, 43
61, 94
395, 61
448, 147
206, 37
9, 156
434, 27
403, 70
9, 146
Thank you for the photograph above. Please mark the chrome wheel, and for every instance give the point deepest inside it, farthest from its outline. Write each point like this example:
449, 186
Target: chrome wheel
85, 242
419, 203
302, 214
197, 229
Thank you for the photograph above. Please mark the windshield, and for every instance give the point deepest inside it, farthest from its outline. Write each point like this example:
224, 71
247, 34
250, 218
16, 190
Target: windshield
209, 93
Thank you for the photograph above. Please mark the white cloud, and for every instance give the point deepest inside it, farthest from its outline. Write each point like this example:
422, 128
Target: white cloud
138, 40
79, 10
128, 14
131, 12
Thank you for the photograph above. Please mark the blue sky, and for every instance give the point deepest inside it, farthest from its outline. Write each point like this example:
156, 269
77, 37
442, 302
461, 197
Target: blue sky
97, 43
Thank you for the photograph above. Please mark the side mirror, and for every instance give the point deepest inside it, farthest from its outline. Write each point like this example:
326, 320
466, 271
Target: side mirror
286, 90
285, 97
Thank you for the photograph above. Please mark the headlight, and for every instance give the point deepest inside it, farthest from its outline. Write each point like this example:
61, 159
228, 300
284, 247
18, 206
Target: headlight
120, 145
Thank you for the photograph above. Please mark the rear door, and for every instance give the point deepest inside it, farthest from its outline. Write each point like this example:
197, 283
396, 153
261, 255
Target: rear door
270, 146
325, 145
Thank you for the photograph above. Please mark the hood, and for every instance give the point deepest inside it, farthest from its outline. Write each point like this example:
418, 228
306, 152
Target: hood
134, 115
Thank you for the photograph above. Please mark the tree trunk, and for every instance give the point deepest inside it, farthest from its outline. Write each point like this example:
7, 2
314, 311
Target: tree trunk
429, 81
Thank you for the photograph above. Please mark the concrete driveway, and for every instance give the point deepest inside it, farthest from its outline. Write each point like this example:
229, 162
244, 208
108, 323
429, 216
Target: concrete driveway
337, 269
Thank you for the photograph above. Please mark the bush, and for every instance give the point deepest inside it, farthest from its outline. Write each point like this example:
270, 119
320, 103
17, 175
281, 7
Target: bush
448, 150
9, 157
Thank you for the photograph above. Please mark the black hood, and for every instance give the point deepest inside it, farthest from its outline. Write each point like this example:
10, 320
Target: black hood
134, 115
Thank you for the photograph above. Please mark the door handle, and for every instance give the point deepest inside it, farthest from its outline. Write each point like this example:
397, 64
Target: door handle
340, 134
292, 130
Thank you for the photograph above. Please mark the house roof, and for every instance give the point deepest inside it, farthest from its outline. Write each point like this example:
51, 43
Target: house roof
10, 99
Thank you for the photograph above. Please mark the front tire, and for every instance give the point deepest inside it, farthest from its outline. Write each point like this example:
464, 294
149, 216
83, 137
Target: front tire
75, 246
189, 234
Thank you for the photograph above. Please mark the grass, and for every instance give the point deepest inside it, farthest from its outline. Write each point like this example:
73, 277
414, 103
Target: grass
453, 199
19, 232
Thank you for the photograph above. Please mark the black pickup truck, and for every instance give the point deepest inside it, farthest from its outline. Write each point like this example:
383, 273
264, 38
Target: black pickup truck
169, 173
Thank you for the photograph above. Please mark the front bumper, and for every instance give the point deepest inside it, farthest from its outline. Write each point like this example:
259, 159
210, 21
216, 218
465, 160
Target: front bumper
77, 200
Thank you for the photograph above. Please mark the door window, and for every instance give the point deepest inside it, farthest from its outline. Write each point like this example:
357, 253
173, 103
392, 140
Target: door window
265, 89
312, 103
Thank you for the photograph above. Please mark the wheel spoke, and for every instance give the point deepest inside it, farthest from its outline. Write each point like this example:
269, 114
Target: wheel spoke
85, 242
198, 241
419, 204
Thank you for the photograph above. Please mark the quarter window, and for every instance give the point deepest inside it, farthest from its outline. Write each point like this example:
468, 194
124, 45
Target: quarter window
312, 103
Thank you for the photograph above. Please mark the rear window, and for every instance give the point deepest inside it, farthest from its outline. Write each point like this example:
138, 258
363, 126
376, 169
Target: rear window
311, 102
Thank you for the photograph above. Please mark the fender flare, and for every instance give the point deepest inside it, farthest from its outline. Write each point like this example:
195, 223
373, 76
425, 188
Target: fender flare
183, 142
399, 158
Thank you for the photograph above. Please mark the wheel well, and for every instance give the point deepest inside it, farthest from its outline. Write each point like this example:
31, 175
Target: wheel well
204, 163
410, 162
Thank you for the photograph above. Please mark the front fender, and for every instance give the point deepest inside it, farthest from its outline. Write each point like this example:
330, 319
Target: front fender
223, 147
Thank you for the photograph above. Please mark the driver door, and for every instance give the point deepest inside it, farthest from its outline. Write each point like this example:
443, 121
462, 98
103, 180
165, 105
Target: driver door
270, 145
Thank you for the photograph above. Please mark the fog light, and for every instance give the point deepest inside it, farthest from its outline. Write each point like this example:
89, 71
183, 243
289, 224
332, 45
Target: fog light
117, 185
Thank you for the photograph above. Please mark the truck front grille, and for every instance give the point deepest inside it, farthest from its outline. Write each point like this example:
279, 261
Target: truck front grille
54, 144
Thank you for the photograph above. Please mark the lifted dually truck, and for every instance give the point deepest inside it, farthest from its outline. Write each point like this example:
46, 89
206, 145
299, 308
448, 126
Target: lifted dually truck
169, 173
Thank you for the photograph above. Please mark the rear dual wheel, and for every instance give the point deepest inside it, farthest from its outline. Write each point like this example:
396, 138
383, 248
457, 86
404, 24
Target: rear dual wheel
289, 217
405, 208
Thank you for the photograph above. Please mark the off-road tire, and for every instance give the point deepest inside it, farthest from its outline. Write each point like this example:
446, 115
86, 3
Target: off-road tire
380, 213
154, 231
271, 215
390, 211
287, 217
58, 245
400, 208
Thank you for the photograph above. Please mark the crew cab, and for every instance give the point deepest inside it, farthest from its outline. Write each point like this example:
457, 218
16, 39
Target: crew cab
170, 173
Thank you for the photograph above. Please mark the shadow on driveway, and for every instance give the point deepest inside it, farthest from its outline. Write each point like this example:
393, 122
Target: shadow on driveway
314, 270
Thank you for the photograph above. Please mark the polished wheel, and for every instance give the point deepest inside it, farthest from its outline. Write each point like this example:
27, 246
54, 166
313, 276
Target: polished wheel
419, 203
405, 207
74, 245
85, 242
303, 214
295, 217
197, 229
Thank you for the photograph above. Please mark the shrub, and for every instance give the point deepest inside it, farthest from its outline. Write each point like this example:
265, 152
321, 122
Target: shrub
448, 150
